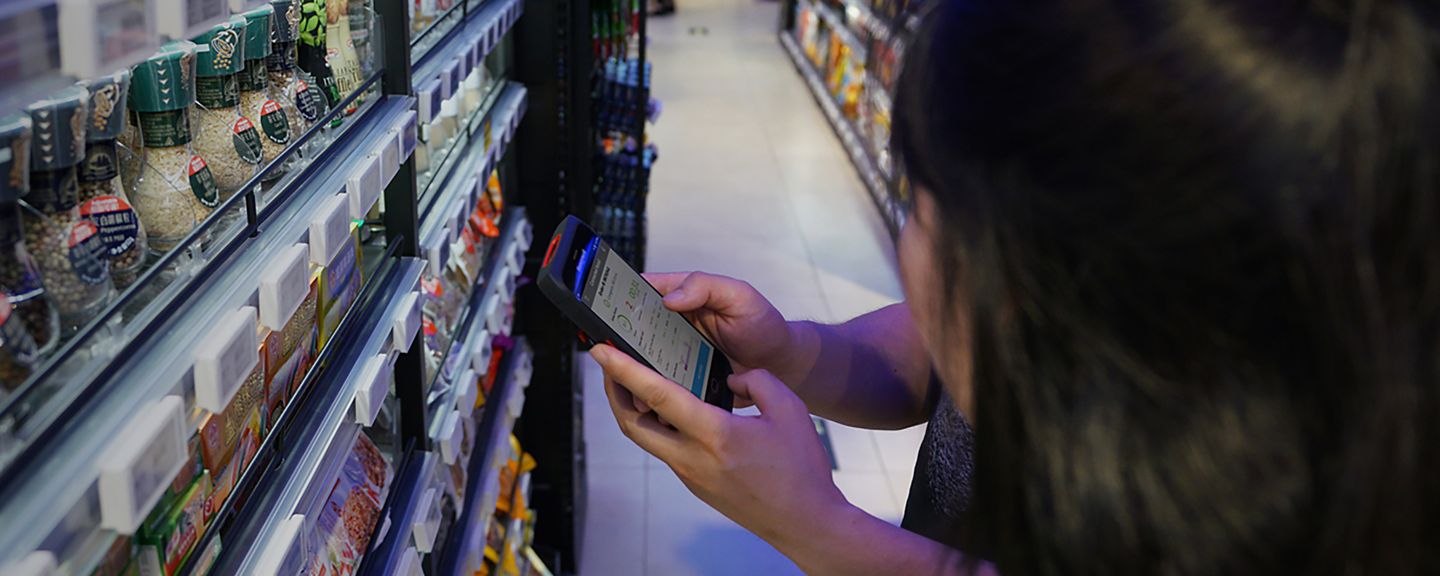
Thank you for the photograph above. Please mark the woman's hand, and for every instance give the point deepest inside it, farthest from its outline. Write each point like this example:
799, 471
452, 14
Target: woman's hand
768, 473
734, 315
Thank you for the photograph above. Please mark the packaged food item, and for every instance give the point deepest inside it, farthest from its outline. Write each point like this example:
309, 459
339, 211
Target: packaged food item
290, 353
352, 512
256, 100
192, 468
70, 252
174, 189
340, 51
303, 103
339, 286
169, 536
224, 135
29, 324
233, 436
103, 200
117, 559
312, 49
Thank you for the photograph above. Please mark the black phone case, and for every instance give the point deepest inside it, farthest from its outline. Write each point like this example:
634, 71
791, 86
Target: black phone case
593, 329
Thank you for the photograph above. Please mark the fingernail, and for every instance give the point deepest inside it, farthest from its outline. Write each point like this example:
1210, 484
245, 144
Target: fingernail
675, 295
599, 354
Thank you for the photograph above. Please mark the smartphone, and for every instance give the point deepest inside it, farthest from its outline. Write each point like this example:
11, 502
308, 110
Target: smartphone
611, 303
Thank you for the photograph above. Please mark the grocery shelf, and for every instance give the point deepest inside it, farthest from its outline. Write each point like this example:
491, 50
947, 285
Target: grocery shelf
463, 549
151, 368
850, 139
163, 288
304, 451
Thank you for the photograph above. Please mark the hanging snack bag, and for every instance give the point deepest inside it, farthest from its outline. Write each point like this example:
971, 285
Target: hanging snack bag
103, 200
29, 325
71, 253
228, 140
175, 190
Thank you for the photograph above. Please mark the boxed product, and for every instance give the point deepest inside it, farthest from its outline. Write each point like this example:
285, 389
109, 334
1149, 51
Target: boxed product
239, 429
170, 534
289, 353
340, 283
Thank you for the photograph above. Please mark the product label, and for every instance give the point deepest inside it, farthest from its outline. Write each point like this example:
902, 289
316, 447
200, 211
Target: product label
247, 140
165, 129
274, 122
101, 164
88, 255
217, 91
202, 183
52, 192
253, 77
116, 220
307, 101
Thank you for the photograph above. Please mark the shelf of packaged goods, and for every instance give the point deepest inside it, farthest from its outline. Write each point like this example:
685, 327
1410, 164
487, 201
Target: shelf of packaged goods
839, 26
486, 135
464, 547
493, 291
393, 539
441, 73
168, 283
320, 421
850, 138
459, 14
148, 369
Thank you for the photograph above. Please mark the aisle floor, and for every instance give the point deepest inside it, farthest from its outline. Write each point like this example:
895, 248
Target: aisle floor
751, 183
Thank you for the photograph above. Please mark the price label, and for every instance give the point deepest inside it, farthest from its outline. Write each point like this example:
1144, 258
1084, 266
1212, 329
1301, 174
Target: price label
376, 377
480, 356
491, 313
407, 322
329, 229
466, 391
409, 563
450, 438
456, 73
364, 186
140, 463
409, 135
225, 358
285, 553
283, 286
437, 252
427, 526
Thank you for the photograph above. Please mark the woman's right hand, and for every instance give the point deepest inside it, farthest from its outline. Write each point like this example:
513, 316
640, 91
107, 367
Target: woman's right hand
748, 329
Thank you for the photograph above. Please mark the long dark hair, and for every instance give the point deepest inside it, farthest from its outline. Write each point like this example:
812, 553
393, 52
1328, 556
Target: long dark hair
1198, 243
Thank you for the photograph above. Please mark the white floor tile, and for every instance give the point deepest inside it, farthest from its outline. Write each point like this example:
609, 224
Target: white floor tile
615, 523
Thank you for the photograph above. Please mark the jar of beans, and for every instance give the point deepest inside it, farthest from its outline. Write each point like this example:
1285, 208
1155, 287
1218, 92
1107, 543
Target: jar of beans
174, 191
256, 100
68, 248
29, 325
103, 200
227, 139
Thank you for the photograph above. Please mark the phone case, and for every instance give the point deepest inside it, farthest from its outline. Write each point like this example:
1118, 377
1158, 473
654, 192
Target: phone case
592, 328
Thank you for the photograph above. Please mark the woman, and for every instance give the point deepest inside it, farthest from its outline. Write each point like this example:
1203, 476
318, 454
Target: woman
1178, 262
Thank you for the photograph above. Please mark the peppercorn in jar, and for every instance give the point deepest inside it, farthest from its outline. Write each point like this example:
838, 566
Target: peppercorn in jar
256, 100
103, 199
29, 325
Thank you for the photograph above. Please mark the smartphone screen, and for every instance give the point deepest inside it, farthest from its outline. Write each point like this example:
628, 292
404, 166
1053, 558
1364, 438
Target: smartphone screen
632, 308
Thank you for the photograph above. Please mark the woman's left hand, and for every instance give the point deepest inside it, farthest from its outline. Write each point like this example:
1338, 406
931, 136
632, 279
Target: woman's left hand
768, 473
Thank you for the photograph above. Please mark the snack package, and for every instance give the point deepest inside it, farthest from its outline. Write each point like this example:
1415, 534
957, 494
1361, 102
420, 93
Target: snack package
170, 534
351, 513
339, 286
237, 430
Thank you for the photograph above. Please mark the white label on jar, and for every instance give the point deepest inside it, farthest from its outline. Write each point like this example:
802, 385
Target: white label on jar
283, 286
224, 358
329, 229
140, 463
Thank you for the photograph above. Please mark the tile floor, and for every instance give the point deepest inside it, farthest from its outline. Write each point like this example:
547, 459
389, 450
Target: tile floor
751, 183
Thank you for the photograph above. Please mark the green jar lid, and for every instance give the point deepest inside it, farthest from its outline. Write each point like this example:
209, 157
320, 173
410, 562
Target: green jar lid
107, 106
14, 156
165, 81
257, 32
59, 124
287, 21
222, 49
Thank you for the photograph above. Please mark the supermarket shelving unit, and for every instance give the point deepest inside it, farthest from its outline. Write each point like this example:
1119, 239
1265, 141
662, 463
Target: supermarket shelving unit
437, 387
858, 108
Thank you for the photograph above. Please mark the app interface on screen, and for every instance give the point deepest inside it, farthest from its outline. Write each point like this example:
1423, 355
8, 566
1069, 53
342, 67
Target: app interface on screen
618, 294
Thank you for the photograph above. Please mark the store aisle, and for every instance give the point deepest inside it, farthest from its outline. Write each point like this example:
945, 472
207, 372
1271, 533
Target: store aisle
751, 183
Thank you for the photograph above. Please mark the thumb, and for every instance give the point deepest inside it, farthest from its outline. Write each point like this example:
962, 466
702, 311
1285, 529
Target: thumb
768, 393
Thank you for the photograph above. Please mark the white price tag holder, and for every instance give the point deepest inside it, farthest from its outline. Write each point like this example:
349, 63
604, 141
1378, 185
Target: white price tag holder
456, 73
91, 42
409, 135
507, 320
224, 359
492, 311
390, 157
406, 322
283, 286
480, 355
37, 563
285, 552
364, 186
505, 285
437, 251
180, 19
446, 88
376, 377
524, 235
427, 100
514, 262
140, 463
409, 563
451, 436
466, 391
425, 528
329, 229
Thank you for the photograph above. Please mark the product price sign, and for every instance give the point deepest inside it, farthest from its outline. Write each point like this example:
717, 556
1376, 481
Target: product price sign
202, 183
247, 140
274, 122
88, 256
307, 101
119, 226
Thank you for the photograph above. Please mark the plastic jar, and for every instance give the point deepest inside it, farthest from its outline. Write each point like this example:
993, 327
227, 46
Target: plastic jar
29, 325
69, 250
303, 104
340, 52
311, 50
227, 139
103, 200
256, 100
174, 190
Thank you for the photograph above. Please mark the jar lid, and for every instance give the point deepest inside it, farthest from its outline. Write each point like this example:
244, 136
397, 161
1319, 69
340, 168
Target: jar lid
222, 49
286, 25
14, 156
257, 32
59, 123
107, 106
165, 81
